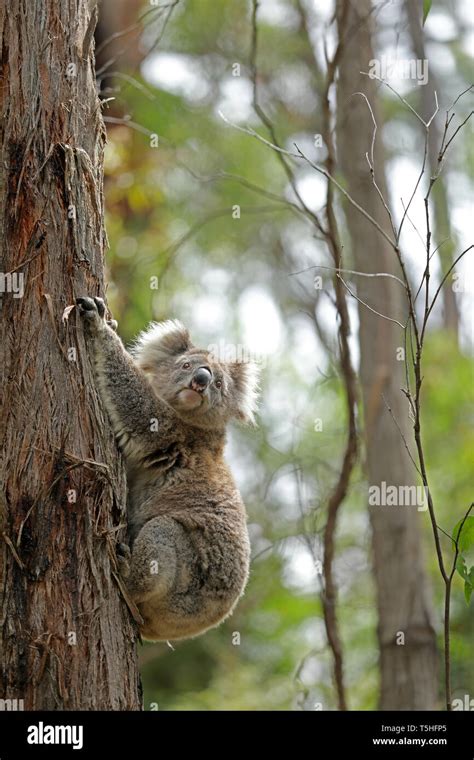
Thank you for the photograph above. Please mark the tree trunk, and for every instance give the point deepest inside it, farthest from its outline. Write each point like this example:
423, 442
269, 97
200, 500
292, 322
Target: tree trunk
66, 635
408, 654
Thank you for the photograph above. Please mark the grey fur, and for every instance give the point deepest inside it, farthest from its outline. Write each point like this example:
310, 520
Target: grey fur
187, 523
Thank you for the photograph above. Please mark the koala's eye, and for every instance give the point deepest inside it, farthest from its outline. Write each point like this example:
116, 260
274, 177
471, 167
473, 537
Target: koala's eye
186, 365
218, 383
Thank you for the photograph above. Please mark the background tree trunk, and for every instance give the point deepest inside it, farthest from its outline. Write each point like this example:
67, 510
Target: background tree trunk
409, 670
118, 34
66, 635
444, 234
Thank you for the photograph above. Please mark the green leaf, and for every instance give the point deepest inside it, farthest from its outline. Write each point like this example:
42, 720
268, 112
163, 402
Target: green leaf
468, 591
463, 532
426, 9
465, 538
461, 567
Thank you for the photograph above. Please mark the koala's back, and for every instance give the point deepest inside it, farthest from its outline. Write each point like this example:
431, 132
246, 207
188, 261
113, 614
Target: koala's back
195, 488
194, 509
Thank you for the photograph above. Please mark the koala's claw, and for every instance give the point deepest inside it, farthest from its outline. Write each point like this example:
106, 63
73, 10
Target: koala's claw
123, 554
92, 311
88, 307
123, 550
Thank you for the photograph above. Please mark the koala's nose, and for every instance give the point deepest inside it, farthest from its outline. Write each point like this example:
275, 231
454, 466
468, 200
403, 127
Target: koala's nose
202, 377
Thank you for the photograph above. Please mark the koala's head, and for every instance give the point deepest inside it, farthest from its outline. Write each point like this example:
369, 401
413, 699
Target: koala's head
203, 391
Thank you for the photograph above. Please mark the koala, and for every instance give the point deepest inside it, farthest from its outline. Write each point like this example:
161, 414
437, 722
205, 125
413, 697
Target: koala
169, 404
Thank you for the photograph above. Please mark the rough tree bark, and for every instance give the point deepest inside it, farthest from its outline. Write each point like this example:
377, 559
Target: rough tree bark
409, 671
66, 636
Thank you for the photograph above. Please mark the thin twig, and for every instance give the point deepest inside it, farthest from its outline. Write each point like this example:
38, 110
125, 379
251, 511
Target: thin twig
349, 271
389, 409
456, 261
426, 124
378, 313
371, 163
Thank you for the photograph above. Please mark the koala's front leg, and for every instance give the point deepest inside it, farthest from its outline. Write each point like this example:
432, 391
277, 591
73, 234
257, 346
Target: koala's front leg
141, 422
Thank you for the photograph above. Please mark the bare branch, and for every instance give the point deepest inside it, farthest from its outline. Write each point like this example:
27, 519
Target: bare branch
350, 271
466, 250
124, 32
300, 154
378, 313
405, 102
420, 176
346, 195
389, 409
456, 131
128, 123
253, 133
250, 186
371, 163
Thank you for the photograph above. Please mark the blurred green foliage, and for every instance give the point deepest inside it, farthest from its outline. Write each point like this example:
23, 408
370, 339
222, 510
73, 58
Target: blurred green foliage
177, 251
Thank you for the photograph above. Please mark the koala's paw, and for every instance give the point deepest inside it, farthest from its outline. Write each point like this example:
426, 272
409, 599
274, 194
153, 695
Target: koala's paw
123, 554
92, 311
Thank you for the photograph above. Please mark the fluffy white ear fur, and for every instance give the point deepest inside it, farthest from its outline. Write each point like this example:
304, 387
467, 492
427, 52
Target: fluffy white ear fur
161, 340
246, 377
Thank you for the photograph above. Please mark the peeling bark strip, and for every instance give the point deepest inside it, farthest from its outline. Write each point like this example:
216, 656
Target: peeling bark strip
66, 637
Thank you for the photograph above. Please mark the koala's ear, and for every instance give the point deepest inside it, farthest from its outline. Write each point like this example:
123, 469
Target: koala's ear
161, 340
245, 376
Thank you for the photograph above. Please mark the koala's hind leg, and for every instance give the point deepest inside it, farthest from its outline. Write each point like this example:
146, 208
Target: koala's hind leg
158, 561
